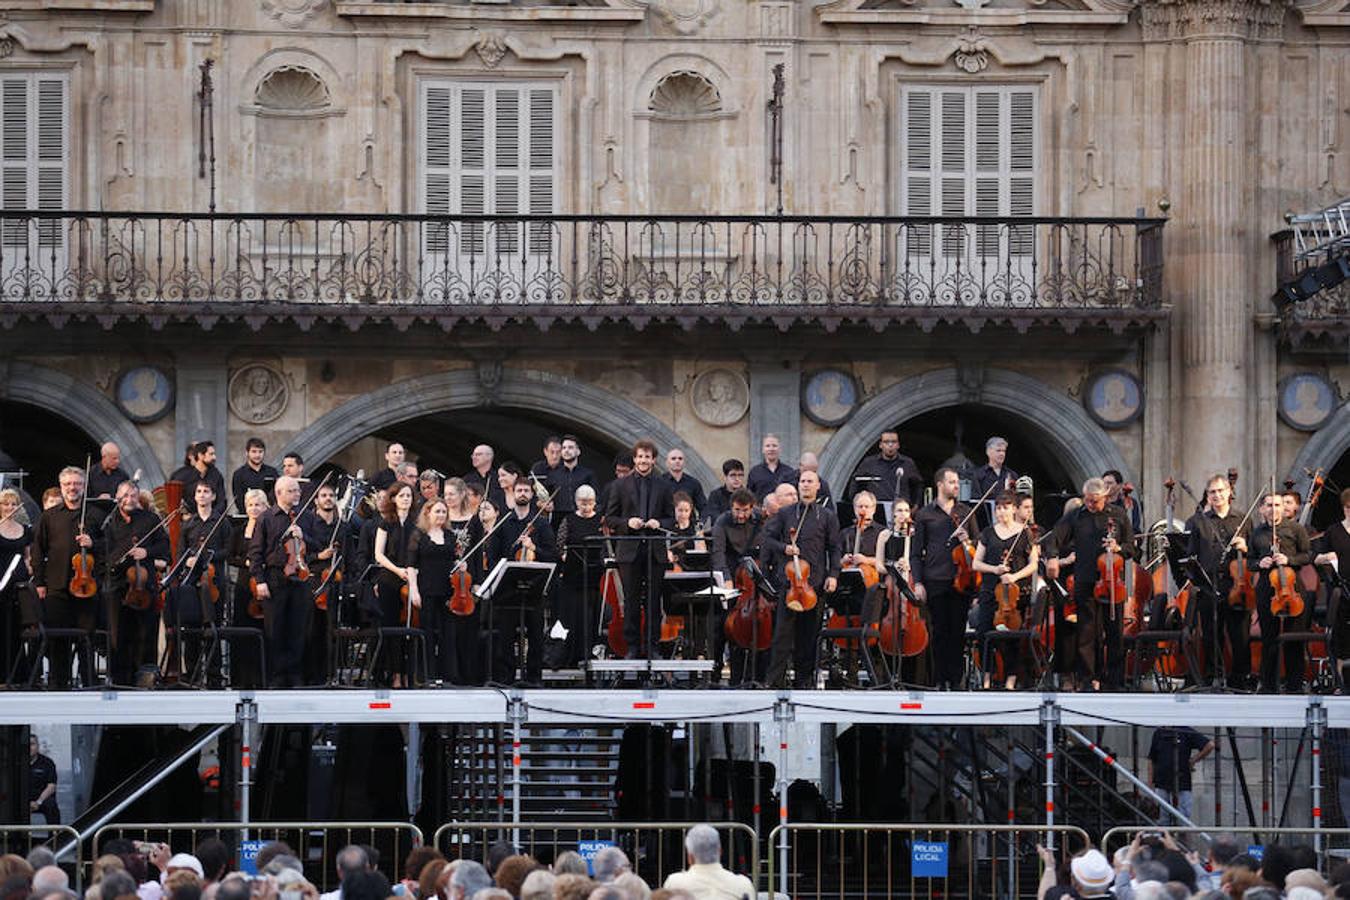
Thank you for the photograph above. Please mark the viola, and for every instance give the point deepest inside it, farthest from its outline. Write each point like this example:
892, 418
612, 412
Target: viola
750, 622
902, 628
331, 576
1007, 596
1110, 587
967, 580
462, 601
255, 603
82, 583
801, 597
522, 553
296, 566
209, 587
411, 614
1286, 601
1242, 595
139, 586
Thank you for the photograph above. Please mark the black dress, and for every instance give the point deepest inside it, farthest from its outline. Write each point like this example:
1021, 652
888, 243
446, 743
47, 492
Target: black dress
19, 610
579, 588
466, 632
245, 664
434, 562
994, 549
1337, 541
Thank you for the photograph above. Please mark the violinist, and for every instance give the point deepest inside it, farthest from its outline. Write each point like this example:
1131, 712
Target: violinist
994, 472
1006, 556
16, 539
465, 526
205, 545
526, 535
1118, 493
858, 545
582, 559
684, 534
1336, 541
808, 531
245, 666
132, 632
735, 536
432, 554
391, 556
284, 593
641, 505
325, 536
1085, 531
1278, 543
1218, 536
935, 536
57, 538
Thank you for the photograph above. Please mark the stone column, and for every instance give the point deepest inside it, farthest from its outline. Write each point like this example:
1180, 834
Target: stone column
1210, 239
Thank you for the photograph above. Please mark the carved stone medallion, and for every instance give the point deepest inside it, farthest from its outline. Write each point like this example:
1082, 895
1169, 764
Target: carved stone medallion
258, 394
720, 397
293, 13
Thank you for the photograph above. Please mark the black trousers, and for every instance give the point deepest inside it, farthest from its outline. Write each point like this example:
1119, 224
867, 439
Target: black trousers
1100, 649
985, 610
573, 613
642, 591
61, 610
286, 626
134, 638
465, 648
794, 640
1272, 627
506, 624
948, 611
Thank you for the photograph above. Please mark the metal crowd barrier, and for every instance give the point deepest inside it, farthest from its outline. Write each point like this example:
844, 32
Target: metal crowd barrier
315, 844
892, 860
21, 839
1332, 844
655, 849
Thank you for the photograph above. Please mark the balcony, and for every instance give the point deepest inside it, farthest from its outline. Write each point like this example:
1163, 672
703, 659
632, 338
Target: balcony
161, 267
1321, 315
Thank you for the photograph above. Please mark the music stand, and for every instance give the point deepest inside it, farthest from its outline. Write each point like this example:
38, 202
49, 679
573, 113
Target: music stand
517, 587
690, 595
848, 601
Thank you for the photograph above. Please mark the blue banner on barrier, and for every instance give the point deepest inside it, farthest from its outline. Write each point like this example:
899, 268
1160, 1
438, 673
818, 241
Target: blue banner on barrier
928, 859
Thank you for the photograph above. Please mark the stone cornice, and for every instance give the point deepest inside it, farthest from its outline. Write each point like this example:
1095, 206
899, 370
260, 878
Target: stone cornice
1183, 20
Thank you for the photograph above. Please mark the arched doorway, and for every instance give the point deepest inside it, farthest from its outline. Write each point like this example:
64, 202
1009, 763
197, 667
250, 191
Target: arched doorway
535, 403
53, 420
1328, 450
945, 410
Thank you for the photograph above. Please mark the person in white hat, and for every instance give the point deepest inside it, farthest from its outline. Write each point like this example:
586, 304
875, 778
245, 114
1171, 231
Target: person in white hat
1090, 874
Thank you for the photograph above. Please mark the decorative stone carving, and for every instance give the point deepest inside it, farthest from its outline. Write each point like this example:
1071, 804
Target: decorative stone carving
6, 46
293, 13
491, 47
258, 394
1167, 20
292, 88
980, 4
972, 52
719, 397
686, 16
490, 379
685, 93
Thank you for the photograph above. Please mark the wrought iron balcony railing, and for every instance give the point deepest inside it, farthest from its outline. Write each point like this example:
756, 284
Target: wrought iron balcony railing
634, 266
1319, 307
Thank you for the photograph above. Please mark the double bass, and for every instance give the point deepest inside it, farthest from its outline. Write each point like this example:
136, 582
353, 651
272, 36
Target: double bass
902, 629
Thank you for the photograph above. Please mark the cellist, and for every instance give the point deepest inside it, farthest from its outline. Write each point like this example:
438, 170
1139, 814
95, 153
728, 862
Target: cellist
1278, 542
132, 632
735, 536
1086, 532
1215, 530
284, 594
1006, 555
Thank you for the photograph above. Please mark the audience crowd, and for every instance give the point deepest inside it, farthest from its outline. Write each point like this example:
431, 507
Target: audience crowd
1156, 867
129, 870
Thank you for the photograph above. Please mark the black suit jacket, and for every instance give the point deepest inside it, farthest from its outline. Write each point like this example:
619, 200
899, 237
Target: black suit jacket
622, 505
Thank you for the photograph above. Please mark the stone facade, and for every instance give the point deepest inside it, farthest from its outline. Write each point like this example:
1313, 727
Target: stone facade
1225, 114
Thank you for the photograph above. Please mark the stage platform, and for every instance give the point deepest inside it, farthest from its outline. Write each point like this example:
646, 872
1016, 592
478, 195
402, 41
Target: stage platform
545, 706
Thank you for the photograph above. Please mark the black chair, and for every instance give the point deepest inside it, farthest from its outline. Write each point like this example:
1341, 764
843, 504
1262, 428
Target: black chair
41, 638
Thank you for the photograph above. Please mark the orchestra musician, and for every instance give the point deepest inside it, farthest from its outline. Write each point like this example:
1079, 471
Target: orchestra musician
1084, 532
523, 534
561, 479
483, 476
392, 540
466, 527
432, 554
204, 545
245, 669
771, 471
935, 535
16, 606
1005, 554
284, 593
325, 537
200, 465
888, 474
809, 462
132, 633
393, 458
56, 540
1335, 546
719, 501
1116, 495
735, 537
1218, 535
993, 474
891, 560
293, 466
683, 483
582, 566
254, 473
641, 505
684, 535
858, 545
1263, 555
810, 531
108, 474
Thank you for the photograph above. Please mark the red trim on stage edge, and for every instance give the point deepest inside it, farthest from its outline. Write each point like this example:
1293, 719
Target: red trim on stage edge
381, 704
905, 706
645, 704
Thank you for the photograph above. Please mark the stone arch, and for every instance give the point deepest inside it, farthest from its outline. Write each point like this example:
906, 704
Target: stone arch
1323, 449
1086, 449
87, 408
293, 89
545, 392
684, 93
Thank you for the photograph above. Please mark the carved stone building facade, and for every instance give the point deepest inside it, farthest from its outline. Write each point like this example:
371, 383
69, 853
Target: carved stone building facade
1134, 344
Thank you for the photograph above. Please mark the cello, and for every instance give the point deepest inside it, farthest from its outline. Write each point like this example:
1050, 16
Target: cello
902, 629
82, 583
750, 623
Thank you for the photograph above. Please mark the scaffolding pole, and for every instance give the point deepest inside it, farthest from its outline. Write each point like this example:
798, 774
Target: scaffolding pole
1049, 719
1317, 721
1129, 776
783, 715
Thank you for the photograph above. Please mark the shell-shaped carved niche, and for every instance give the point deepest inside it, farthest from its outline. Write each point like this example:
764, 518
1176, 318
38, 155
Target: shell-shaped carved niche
685, 94
292, 88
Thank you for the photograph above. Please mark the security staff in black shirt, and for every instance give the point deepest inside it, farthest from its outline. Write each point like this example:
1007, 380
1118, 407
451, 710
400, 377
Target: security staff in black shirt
889, 474
42, 784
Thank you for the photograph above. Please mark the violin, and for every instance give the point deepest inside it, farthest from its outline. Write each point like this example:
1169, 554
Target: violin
462, 601
139, 586
902, 628
207, 584
255, 604
332, 575
967, 580
82, 583
1008, 615
296, 566
1110, 587
524, 554
1286, 601
750, 622
801, 597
